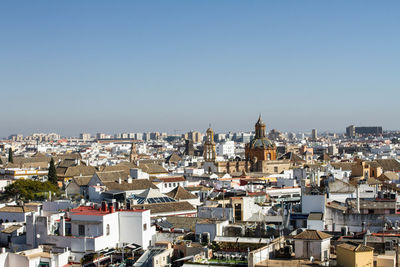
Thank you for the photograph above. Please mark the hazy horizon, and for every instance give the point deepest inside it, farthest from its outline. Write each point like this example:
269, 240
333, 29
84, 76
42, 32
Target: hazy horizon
128, 66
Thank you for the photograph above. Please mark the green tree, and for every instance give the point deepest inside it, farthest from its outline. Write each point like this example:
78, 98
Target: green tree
30, 190
52, 176
10, 156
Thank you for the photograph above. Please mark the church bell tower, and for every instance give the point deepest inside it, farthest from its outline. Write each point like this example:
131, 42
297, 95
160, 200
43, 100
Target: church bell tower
209, 146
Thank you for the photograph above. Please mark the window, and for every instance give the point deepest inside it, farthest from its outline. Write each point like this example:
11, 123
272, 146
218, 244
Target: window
325, 254
145, 227
275, 169
108, 229
81, 229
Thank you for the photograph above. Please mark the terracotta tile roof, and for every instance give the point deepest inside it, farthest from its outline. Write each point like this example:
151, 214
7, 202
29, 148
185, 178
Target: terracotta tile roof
152, 168
316, 216
173, 158
170, 179
11, 229
180, 193
137, 184
166, 207
122, 166
111, 176
82, 180
180, 222
355, 247
16, 209
345, 166
312, 235
389, 164
77, 171
389, 176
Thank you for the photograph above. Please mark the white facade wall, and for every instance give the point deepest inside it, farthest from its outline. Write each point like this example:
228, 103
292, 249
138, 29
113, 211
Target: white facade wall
4, 183
135, 227
304, 249
313, 203
249, 208
226, 148
315, 225
166, 187
13, 216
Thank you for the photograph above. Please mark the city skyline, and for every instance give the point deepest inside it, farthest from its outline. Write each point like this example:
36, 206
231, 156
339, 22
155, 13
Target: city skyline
157, 66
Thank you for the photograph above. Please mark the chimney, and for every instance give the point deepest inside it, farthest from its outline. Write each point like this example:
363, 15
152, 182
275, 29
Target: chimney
103, 206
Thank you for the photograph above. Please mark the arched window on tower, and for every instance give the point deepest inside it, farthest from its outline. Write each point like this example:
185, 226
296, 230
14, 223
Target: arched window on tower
269, 156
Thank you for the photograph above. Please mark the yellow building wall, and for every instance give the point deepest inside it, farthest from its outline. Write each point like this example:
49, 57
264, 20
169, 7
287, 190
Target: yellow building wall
365, 259
345, 257
348, 258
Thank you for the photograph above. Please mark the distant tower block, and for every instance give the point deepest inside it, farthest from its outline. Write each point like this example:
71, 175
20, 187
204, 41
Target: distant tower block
314, 134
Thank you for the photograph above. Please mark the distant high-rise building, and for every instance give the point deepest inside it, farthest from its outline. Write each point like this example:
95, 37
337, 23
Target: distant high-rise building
196, 137
371, 130
314, 134
100, 136
85, 136
332, 149
226, 148
351, 131
220, 137
146, 137
16, 137
139, 136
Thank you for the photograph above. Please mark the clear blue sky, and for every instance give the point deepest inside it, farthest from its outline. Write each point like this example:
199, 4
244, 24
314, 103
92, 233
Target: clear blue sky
113, 66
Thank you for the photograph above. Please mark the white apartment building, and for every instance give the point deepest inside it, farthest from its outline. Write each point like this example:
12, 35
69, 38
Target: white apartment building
226, 148
89, 229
